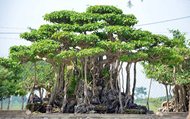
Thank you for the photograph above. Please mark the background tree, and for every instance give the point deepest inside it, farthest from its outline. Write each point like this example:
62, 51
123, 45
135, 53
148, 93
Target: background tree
169, 69
10, 76
140, 92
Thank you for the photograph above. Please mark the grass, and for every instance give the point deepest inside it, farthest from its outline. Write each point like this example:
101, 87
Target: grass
154, 103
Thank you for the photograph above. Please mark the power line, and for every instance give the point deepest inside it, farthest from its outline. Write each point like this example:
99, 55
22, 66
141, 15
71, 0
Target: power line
163, 21
151, 23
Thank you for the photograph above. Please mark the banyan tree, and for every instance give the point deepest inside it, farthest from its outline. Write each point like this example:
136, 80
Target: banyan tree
86, 52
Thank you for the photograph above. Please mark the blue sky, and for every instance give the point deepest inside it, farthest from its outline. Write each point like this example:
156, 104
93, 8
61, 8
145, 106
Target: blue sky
17, 15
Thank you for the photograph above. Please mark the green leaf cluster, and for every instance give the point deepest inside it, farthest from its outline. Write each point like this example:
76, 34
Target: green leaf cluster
67, 54
134, 57
60, 16
72, 39
120, 19
90, 52
103, 9
45, 47
21, 53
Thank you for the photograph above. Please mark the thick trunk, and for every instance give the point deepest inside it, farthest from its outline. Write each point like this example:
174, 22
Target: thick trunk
184, 99
119, 83
176, 96
85, 82
22, 103
93, 72
64, 99
76, 75
122, 84
65, 94
128, 79
114, 71
94, 84
111, 76
149, 94
117, 70
55, 87
180, 99
100, 58
134, 82
176, 93
61, 78
167, 99
9, 101
53, 94
120, 102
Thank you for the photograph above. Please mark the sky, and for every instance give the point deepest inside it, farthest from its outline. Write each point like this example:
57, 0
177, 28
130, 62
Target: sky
17, 15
